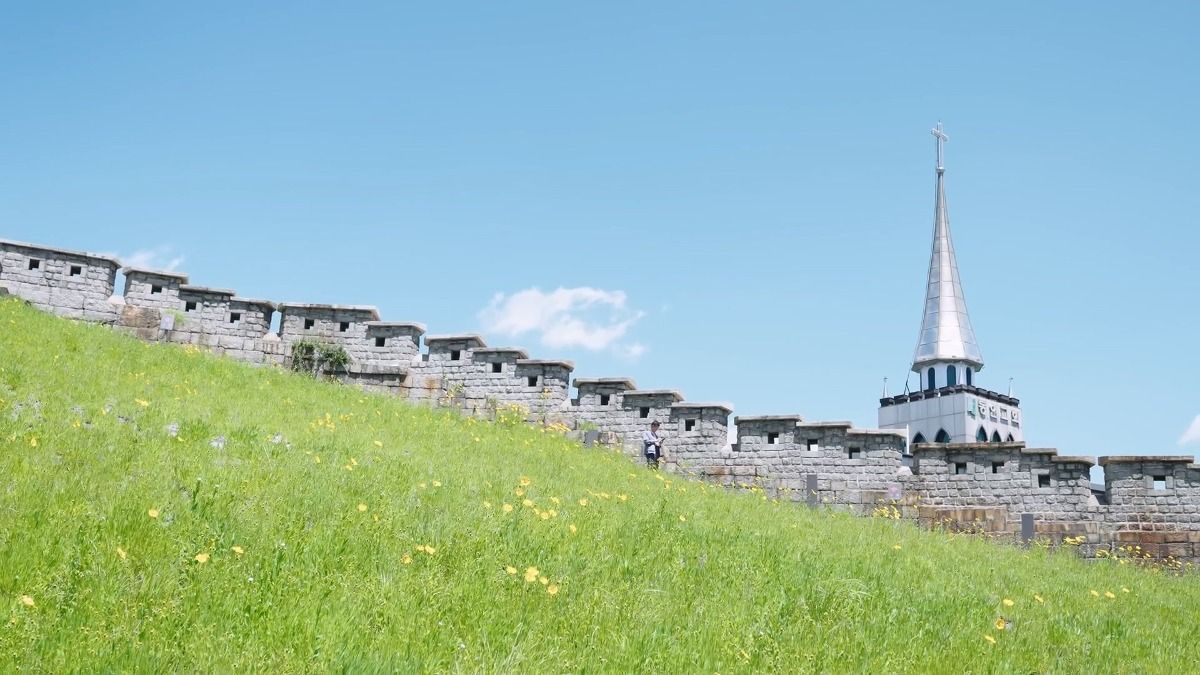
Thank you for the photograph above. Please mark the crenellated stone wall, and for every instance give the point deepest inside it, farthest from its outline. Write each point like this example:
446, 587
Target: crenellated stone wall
1147, 501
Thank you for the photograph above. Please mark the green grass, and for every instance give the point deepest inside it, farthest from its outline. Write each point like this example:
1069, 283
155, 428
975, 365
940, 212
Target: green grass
672, 577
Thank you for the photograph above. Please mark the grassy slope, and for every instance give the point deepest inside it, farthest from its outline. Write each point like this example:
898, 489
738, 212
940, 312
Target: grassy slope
678, 577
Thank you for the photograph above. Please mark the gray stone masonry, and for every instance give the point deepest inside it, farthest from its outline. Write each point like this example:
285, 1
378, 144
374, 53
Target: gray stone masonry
632, 414
779, 452
1151, 502
153, 288
1021, 480
445, 367
599, 402
73, 284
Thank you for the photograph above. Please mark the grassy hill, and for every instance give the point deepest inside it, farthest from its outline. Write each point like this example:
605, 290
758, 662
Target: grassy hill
161, 509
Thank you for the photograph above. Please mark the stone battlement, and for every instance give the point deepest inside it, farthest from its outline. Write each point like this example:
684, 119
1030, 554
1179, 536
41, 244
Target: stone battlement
1149, 500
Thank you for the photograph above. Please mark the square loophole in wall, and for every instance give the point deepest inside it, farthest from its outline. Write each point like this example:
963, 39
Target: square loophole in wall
811, 445
455, 354
997, 467
605, 399
854, 453
497, 367
343, 326
960, 468
643, 412
1158, 482
155, 289
76, 270
689, 425
35, 264
772, 437
532, 380
1043, 480
380, 342
235, 317
189, 306
309, 323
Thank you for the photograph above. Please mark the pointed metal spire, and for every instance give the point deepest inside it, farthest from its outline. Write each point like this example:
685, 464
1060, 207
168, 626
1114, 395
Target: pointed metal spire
946, 333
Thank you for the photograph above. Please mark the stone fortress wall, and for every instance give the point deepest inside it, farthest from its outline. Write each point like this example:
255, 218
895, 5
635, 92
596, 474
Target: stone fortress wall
1147, 501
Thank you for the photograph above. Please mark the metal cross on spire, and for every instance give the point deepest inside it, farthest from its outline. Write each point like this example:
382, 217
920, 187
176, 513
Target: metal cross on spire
941, 138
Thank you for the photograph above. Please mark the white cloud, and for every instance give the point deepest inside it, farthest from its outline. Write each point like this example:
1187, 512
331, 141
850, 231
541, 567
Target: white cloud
590, 318
158, 258
1192, 435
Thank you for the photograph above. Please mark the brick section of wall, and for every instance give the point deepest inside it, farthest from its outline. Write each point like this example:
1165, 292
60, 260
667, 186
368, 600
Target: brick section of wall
73, 284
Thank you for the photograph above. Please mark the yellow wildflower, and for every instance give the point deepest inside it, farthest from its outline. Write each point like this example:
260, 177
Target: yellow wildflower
507, 508
1038, 598
1007, 602
896, 547
553, 513
32, 443
510, 570
362, 507
153, 513
525, 481
543, 580
379, 444
316, 459
1109, 595
990, 639
201, 558
1000, 623
682, 519
531, 574
429, 550
437, 483
623, 497
1094, 594
121, 553
527, 503
141, 402
544, 515
237, 549
583, 502
519, 492
407, 559
487, 504
1124, 590
555, 501
27, 601
421, 485
573, 528
552, 589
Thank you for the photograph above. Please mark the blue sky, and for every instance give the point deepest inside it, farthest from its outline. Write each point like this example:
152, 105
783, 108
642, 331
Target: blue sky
735, 199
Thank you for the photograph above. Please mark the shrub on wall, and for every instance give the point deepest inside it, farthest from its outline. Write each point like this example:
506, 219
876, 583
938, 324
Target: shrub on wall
316, 358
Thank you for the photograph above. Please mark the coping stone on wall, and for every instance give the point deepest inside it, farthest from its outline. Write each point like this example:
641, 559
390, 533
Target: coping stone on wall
416, 327
587, 382
374, 311
473, 338
695, 406
569, 365
522, 355
1140, 459
185, 288
116, 264
128, 270
751, 419
254, 302
655, 392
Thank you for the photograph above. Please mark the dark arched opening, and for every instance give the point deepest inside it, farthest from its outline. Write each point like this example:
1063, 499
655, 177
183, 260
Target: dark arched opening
1010, 438
951, 376
969, 371
919, 438
942, 437
932, 380
996, 437
981, 435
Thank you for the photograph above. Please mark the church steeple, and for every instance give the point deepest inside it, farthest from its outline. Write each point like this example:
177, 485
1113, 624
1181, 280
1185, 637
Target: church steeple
946, 346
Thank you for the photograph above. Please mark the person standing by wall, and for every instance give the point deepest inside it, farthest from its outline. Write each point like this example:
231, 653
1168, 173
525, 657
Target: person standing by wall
652, 445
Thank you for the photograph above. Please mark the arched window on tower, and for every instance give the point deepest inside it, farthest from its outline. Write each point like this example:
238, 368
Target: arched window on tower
932, 380
996, 437
919, 438
981, 435
969, 370
1010, 438
942, 437
951, 376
